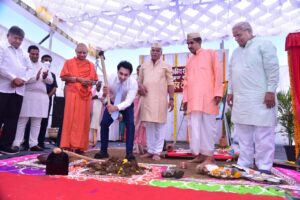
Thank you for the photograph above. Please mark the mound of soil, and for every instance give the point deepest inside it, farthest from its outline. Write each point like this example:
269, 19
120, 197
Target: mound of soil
116, 166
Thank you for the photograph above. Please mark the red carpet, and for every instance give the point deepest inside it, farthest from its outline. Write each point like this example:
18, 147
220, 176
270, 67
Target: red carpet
26, 187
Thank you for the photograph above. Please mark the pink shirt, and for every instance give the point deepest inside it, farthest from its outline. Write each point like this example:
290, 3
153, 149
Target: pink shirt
203, 82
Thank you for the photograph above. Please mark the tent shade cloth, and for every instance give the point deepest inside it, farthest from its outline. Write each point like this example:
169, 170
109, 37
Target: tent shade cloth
137, 23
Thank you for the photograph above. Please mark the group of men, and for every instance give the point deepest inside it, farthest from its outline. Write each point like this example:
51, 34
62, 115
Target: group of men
26, 87
253, 76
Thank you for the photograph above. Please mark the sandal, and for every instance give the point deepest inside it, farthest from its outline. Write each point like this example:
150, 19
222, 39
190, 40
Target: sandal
172, 173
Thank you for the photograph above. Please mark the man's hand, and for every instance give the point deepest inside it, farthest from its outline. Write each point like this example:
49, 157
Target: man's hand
17, 82
95, 97
218, 99
105, 91
45, 74
112, 108
84, 82
171, 105
142, 90
38, 74
230, 99
270, 99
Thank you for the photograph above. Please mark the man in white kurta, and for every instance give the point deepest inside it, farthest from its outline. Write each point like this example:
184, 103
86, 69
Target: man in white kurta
15, 70
253, 77
155, 84
35, 102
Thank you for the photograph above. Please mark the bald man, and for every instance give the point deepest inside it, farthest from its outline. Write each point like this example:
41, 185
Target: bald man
79, 75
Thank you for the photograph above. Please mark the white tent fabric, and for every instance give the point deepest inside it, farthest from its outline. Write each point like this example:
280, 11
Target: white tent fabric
137, 23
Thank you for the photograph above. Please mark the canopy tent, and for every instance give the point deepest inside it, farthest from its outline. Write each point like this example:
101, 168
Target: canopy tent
137, 23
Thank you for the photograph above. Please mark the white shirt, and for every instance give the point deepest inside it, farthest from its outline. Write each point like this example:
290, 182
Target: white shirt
36, 100
130, 88
13, 64
253, 71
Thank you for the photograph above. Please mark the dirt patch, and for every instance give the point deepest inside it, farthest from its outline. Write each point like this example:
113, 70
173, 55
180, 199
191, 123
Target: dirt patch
116, 166
189, 172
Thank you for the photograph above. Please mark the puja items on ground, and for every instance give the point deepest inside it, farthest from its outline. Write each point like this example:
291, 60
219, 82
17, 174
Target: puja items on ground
235, 172
116, 166
172, 173
226, 153
257, 176
222, 172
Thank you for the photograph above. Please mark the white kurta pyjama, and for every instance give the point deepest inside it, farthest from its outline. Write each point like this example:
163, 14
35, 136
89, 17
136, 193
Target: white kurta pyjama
252, 72
35, 106
201, 125
96, 111
155, 140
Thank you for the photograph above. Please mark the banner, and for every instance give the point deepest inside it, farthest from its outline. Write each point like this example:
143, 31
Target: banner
178, 75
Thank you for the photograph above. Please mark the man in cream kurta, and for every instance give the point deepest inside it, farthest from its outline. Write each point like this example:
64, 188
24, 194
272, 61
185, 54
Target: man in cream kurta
253, 78
202, 93
155, 83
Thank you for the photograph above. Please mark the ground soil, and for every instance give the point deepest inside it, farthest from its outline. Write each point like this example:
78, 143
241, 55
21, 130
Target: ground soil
189, 172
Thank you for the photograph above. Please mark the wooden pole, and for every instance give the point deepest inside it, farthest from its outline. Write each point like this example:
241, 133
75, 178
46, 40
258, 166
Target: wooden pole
105, 76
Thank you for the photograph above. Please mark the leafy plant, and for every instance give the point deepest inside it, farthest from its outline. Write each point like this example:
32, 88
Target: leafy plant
286, 117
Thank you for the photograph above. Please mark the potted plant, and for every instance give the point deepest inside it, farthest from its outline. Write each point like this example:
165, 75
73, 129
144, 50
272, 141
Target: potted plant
286, 120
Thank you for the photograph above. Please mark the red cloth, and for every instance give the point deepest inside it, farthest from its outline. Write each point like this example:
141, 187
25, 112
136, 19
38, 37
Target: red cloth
292, 45
25, 187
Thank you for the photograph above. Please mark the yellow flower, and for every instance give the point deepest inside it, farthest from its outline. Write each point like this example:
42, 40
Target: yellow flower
124, 161
120, 170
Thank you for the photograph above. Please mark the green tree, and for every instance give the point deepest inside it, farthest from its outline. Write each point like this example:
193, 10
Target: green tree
286, 117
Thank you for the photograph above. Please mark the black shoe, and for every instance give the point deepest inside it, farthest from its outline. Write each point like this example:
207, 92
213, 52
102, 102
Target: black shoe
16, 148
42, 145
9, 151
130, 157
36, 148
23, 148
101, 155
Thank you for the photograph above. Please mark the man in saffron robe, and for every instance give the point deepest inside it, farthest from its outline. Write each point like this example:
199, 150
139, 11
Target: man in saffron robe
202, 93
79, 75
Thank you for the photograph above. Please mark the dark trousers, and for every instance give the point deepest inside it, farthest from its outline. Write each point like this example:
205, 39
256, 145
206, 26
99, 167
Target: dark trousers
10, 108
128, 117
57, 143
43, 129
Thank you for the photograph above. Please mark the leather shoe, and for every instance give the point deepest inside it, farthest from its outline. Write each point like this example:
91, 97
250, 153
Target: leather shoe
130, 157
101, 155
36, 148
